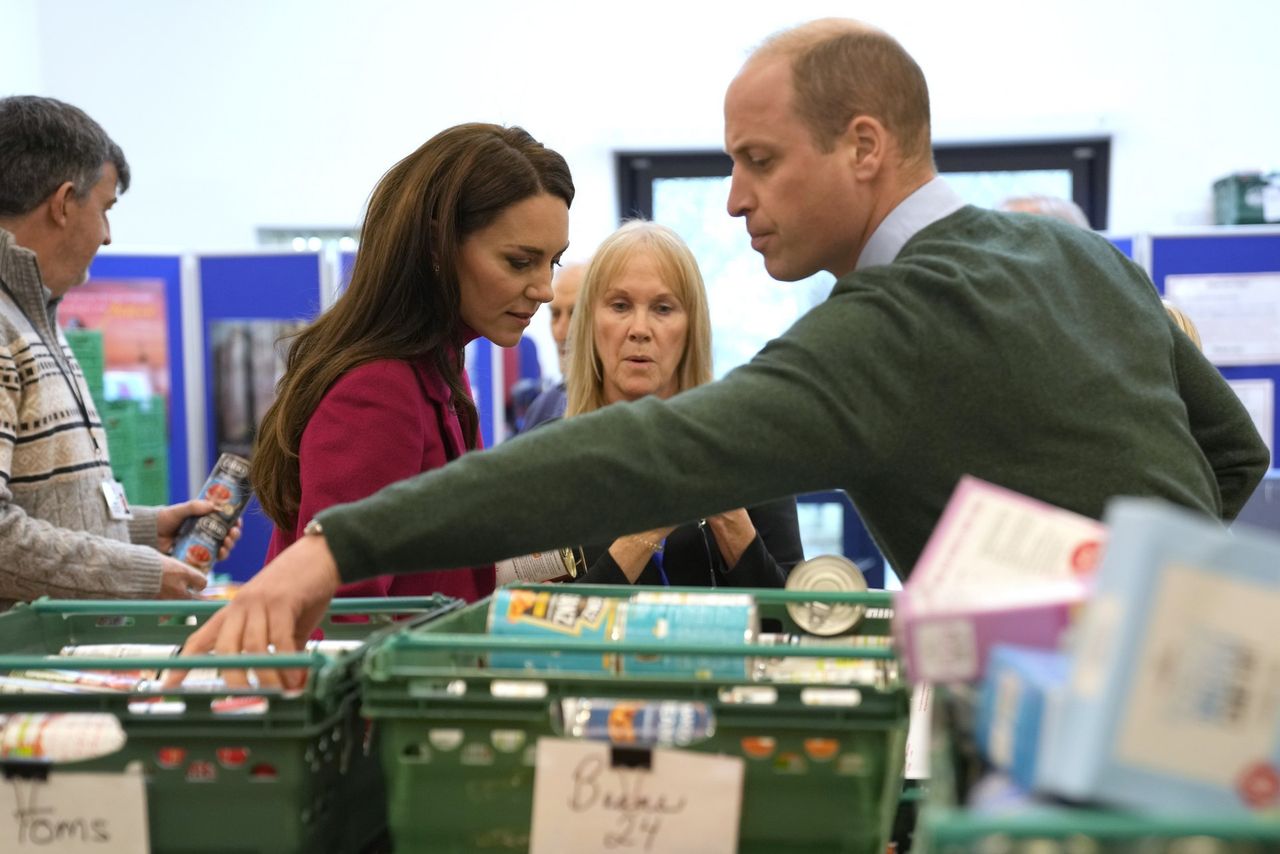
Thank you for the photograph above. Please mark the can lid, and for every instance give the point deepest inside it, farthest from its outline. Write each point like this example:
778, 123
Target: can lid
826, 574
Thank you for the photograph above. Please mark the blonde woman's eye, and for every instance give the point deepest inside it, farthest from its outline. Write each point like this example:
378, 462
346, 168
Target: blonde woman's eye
519, 263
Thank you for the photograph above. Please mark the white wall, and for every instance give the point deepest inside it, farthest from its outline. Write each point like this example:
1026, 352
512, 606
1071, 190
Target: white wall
238, 113
20, 57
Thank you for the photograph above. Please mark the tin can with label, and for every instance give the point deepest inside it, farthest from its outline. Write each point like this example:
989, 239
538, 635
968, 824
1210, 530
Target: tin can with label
565, 616
200, 537
120, 650
682, 618
640, 723
826, 574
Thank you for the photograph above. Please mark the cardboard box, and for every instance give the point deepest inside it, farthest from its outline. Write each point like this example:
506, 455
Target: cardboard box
1174, 699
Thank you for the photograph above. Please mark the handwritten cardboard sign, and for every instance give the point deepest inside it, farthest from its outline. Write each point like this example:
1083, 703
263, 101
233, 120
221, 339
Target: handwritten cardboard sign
586, 801
74, 812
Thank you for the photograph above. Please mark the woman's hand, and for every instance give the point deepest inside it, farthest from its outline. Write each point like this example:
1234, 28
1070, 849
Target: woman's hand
278, 608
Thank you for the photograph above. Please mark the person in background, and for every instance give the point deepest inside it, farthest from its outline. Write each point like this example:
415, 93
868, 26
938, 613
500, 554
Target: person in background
551, 403
956, 340
66, 529
643, 328
459, 241
1068, 211
1044, 205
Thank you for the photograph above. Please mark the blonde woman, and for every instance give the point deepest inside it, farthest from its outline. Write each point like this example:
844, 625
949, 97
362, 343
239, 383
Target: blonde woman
641, 328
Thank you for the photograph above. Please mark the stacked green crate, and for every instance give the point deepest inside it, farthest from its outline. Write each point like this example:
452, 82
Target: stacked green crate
137, 436
88, 347
137, 430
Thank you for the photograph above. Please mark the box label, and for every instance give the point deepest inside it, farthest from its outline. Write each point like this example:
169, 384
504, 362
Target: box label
74, 812
1205, 699
586, 799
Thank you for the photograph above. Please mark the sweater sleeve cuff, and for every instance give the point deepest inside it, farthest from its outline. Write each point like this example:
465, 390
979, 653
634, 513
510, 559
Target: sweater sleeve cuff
141, 578
142, 527
343, 541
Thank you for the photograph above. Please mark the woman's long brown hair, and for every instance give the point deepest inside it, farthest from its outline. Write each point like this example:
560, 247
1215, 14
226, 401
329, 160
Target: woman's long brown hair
403, 301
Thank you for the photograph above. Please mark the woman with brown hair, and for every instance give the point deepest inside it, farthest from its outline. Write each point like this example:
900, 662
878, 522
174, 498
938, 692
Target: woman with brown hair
459, 242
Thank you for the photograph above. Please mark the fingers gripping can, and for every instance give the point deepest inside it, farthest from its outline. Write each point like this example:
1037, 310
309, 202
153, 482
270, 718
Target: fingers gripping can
200, 537
826, 574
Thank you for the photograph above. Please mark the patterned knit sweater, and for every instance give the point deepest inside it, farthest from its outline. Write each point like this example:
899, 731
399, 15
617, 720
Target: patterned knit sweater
56, 535
1021, 350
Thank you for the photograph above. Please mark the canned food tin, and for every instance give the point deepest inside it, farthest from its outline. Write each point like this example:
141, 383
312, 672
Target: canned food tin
536, 613
667, 723
199, 547
200, 537
715, 618
60, 737
120, 650
793, 669
826, 574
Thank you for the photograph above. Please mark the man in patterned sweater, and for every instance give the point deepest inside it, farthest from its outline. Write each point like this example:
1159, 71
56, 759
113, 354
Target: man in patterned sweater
956, 341
63, 531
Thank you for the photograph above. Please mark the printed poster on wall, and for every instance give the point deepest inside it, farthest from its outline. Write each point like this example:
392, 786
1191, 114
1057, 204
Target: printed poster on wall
1237, 314
135, 336
1258, 396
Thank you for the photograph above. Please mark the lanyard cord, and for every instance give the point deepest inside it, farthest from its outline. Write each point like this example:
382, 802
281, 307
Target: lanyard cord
70, 381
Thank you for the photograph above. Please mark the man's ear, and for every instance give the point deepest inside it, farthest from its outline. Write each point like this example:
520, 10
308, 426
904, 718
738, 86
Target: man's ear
60, 201
867, 142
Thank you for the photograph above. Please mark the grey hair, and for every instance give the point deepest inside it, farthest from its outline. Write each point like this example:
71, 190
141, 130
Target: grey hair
45, 142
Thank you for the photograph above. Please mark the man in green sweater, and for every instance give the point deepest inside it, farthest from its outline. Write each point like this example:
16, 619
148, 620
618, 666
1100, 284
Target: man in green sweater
956, 341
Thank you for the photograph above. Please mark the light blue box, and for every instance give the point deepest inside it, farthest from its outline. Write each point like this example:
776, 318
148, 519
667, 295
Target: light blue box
1174, 699
1020, 691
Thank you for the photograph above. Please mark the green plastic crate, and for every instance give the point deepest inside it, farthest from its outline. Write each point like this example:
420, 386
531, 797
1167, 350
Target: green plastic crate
476, 797
88, 348
945, 827
326, 793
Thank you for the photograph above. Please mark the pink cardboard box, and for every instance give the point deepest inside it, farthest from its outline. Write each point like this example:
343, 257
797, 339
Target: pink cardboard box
999, 568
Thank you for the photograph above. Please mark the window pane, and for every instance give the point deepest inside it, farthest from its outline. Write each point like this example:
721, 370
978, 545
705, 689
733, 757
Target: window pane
747, 307
989, 189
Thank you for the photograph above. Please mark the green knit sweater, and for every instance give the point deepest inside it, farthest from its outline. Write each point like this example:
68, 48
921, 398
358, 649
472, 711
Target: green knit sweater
1018, 349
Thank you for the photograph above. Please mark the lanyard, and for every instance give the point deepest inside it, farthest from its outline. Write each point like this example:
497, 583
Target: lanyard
54, 353
662, 572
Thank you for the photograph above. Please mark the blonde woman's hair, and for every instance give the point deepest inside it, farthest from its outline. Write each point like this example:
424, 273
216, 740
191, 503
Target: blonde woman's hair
1180, 319
679, 271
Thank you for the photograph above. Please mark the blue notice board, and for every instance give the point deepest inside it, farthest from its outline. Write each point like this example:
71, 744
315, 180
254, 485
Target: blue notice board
1214, 251
247, 303
1124, 244
168, 269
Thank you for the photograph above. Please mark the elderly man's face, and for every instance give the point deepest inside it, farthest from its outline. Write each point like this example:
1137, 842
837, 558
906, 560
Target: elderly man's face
564, 298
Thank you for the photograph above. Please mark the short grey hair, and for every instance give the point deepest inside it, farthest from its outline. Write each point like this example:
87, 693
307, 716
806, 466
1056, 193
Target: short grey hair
45, 142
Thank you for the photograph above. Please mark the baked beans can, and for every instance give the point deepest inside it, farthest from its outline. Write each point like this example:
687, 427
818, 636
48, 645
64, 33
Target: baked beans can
550, 616
640, 723
689, 618
826, 574
200, 537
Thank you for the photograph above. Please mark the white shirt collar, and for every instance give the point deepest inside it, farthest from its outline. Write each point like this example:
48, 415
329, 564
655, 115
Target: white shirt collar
932, 202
